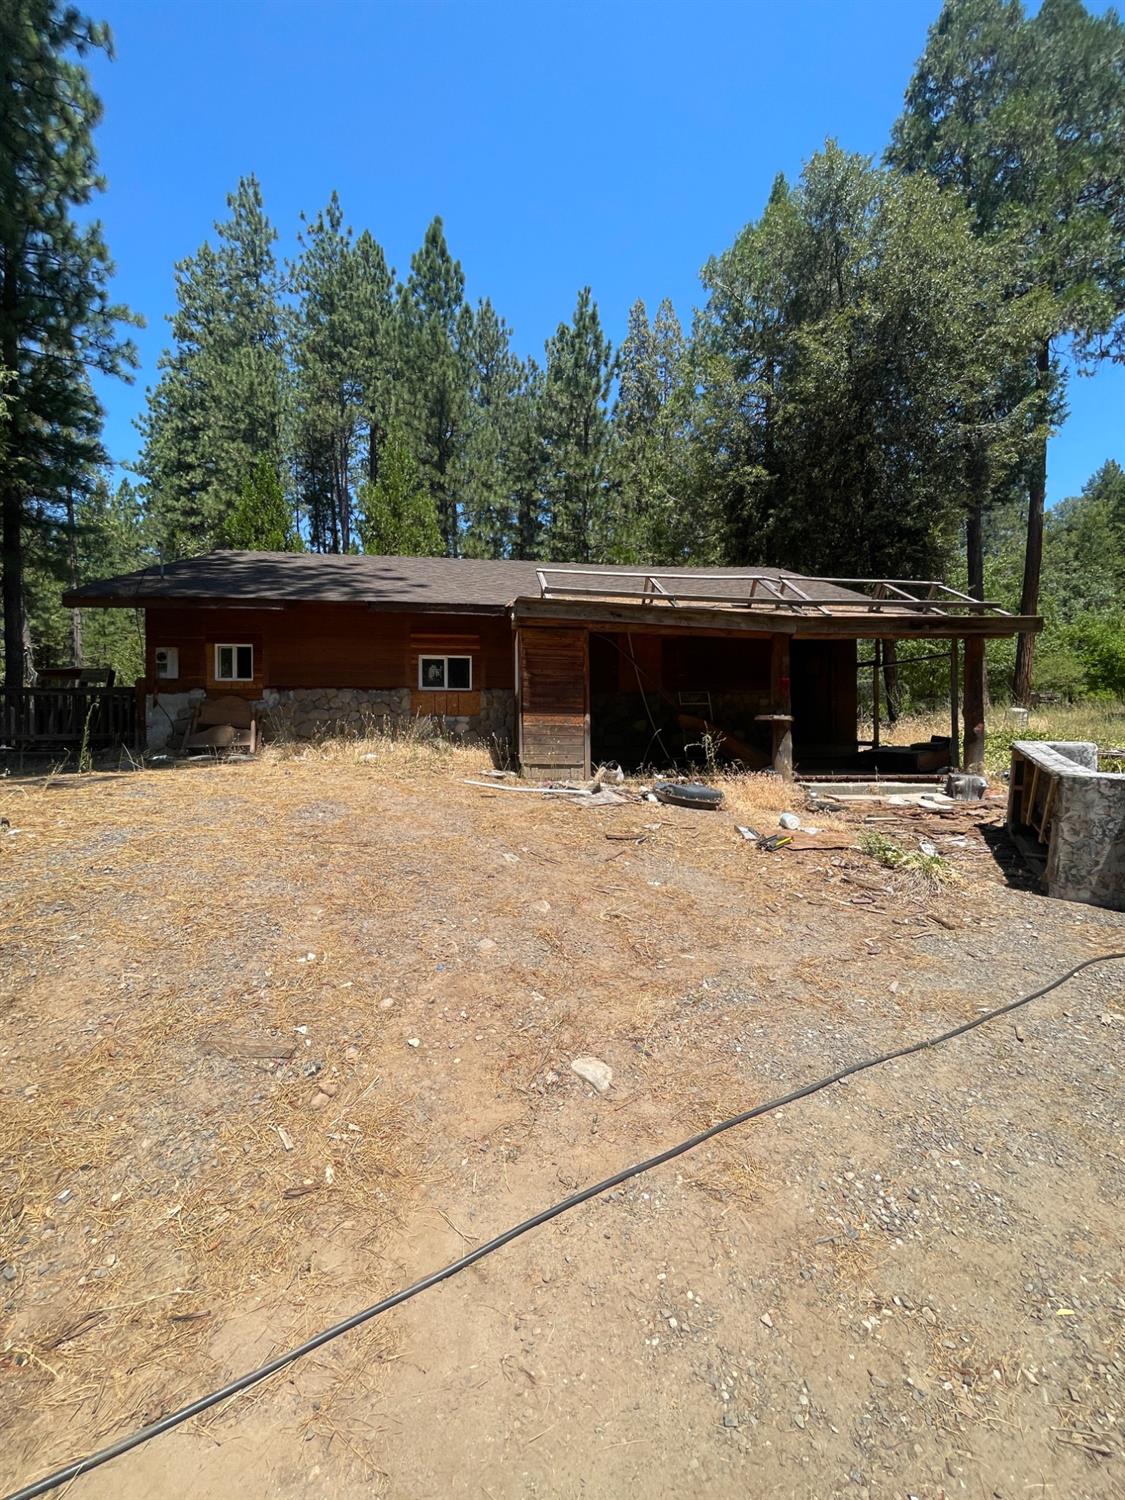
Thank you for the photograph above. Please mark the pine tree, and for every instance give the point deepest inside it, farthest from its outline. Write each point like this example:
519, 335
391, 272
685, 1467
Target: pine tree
56, 320
651, 520
528, 461
99, 534
261, 521
397, 517
341, 396
486, 480
1025, 117
434, 404
849, 350
575, 432
217, 407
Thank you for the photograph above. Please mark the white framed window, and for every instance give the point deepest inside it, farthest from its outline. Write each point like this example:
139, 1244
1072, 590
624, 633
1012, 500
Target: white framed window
445, 673
234, 663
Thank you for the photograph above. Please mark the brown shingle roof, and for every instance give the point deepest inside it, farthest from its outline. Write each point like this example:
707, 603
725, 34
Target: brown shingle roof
440, 583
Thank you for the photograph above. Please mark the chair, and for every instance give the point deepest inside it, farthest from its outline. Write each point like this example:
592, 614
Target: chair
223, 724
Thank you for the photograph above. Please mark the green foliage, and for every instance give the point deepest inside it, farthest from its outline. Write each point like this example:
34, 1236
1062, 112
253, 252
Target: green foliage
432, 333
1081, 651
575, 433
652, 519
261, 520
217, 407
934, 867
340, 335
57, 322
1024, 118
851, 345
398, 516
103, 535
497, 415
873, 376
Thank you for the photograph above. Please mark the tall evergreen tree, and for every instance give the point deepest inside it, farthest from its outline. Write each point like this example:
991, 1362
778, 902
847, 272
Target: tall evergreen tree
528, 457
397, 516
1025, 117
847, 353
575, 432
435, 378
487, 481
651, 518
340, 393
261, 521
217, 407
56, 320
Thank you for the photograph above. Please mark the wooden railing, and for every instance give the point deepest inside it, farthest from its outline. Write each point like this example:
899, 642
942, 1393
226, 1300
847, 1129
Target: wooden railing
47, 716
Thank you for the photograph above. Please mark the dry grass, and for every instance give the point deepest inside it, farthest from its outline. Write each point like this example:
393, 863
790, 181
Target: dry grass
148, 916
337, 898
1102, 723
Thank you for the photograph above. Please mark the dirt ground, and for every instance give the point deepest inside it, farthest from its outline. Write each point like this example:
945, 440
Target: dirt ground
278, 1038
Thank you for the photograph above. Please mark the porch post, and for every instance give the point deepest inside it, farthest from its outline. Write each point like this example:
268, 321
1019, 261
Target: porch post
781, 707
954, 716
973, 759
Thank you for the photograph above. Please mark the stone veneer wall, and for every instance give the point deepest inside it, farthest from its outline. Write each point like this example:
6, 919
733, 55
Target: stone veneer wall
305, 713
168, 718
1086, 855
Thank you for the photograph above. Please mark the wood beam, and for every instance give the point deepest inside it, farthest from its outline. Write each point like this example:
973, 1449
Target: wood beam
973, 758
954, 716
662, 620
781, 707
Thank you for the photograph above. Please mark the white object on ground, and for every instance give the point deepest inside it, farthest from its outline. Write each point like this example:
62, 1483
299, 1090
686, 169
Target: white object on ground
790, 821
594, 1071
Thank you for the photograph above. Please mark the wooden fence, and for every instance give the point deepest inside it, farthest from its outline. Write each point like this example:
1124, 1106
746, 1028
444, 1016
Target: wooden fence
43, 717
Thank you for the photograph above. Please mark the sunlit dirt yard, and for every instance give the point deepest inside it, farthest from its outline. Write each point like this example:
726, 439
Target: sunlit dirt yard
279, 1037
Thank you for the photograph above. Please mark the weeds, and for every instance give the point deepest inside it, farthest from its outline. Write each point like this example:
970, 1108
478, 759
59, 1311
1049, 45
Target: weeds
934, 867
1100, 722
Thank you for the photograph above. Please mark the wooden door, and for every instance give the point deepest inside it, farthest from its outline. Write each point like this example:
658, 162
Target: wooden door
554, 703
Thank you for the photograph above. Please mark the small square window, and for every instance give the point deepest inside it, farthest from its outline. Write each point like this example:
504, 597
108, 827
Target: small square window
234, 663
438, 673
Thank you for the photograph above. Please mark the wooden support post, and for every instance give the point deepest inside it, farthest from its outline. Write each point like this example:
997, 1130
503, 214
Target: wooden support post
973, 759
954, 716
781, 707
876, 664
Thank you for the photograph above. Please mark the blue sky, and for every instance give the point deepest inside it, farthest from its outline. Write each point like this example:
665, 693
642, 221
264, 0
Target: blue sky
617, 143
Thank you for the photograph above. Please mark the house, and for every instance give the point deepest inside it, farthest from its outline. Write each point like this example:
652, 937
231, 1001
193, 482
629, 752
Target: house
570, 665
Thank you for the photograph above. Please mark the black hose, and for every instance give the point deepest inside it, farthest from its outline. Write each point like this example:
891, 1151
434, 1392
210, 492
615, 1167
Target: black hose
244, 1382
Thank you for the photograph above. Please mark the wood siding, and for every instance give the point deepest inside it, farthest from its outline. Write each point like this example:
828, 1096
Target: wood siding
554, 703
327, 645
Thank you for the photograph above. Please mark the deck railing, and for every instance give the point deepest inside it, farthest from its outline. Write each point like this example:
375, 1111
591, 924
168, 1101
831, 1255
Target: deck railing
41, 717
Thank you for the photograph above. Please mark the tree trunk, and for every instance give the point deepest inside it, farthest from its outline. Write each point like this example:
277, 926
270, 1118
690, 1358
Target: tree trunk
974, 547
973, 756
11, 498
890, 680
1033, 555
72, 566
12, 522
974, 557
